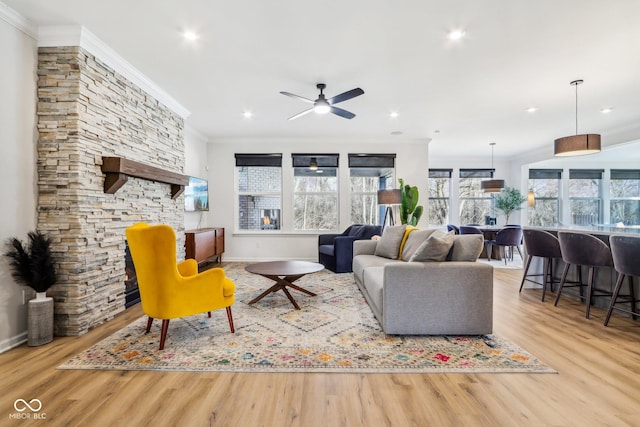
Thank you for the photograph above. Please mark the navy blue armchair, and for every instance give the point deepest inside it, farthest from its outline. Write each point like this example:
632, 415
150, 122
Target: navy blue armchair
335, 251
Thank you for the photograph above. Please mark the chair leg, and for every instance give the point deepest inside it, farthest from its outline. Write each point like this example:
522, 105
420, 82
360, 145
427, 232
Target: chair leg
503, 251
489, 250
545, 269
519, 252
526, 270
564, 278
209, 314
230, 317
149, 322
163, 333
632, 295
613, 298
592, 273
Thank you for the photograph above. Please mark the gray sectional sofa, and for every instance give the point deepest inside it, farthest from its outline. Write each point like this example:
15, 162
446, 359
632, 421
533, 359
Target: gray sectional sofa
452, 296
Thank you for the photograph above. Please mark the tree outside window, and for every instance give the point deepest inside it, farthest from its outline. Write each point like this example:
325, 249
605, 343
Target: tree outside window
545, 184
369, 173
439, 196
585, 196
475, 204
315, 192
625, 196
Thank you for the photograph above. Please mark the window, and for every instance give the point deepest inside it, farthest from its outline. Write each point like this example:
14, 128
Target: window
475, 204
545, 184
259, 180
625, 196
315, 191
439, 196
585, 196
369, 173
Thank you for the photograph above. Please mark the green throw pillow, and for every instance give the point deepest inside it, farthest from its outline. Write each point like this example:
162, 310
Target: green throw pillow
389, 244
435, 248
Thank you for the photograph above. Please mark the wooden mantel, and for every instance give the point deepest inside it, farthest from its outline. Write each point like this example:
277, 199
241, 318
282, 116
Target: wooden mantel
117, 171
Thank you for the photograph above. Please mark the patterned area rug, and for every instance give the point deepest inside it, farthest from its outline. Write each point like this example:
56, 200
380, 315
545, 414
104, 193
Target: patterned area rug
334, 331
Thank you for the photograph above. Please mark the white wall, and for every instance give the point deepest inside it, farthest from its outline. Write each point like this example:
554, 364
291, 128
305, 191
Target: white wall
195, 165
17, 168
411, 165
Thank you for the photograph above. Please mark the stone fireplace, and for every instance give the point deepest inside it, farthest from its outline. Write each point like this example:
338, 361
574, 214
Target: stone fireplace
86, 110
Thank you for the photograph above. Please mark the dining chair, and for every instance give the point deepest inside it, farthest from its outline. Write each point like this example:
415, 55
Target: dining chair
506, 237
454, 228
469, 229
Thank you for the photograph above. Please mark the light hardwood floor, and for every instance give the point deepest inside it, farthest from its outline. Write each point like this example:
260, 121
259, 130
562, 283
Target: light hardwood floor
598, 382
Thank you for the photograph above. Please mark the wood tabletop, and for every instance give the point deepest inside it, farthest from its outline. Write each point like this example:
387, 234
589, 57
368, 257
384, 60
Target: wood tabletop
284, 268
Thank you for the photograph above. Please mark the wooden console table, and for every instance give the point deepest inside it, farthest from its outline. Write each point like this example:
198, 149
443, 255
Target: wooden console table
204, 245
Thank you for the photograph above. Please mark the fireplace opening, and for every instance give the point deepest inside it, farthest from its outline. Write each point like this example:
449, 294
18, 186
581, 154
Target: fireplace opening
131, 292
270, 219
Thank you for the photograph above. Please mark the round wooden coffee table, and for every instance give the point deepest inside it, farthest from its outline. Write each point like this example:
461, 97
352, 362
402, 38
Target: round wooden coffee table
284, 273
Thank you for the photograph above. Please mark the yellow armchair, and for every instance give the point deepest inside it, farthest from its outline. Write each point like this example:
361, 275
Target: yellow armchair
169, 290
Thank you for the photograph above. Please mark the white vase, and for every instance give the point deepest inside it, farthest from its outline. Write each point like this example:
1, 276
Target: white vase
40, 320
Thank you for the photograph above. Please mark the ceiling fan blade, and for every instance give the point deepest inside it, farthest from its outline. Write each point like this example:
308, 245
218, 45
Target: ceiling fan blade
301, 98
345, 96
342, 113
301, 114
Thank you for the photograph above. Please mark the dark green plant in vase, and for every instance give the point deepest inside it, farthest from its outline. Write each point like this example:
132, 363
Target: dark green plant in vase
32, 263
509, 200
410, 212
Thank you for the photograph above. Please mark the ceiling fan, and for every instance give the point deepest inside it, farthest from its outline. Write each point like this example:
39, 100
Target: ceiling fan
324, 106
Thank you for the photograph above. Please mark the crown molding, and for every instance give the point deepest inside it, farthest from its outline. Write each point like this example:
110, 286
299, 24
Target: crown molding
75, 35
18, 21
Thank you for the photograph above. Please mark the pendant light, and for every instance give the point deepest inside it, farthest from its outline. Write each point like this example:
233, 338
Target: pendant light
492, 185
577, 145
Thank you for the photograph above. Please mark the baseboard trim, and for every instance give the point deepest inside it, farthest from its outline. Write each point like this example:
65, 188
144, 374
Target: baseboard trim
12, 342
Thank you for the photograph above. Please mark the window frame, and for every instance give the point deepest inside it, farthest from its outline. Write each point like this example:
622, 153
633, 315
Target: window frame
378, 161
586, 174
433, 174
300, 162
479, 174
546, 174
256, 160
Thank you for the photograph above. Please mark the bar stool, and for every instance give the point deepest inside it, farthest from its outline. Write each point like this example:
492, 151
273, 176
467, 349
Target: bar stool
543, 244
626, 256
583, 250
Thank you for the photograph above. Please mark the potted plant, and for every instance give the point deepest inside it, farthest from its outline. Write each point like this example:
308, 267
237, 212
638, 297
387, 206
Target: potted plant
410, 212
33, 265
509, 200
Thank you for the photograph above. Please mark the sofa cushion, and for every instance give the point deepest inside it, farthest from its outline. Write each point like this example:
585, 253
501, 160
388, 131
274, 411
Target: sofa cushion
389, 244
373, 283
466, 247
414, 240
435, 248
356, 231
326, 249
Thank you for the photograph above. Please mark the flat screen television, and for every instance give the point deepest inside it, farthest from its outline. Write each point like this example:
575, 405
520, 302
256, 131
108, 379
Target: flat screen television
196, 195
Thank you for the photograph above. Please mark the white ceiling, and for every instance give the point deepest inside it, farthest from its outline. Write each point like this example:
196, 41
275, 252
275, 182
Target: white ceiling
461, 95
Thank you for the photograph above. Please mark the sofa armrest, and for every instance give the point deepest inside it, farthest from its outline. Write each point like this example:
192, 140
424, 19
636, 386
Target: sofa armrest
364, 247
327, 239
441, 297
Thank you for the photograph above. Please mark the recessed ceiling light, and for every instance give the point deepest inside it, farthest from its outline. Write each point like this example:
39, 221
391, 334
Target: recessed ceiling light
394, 114
396, 132
531, 109
190, 35
247, 114
606, 110
456, 34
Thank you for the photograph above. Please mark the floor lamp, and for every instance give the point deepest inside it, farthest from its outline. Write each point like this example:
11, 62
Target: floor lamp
389, 198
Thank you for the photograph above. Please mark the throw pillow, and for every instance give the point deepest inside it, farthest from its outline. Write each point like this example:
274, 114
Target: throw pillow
467, 247
413, 242
435, 248
389, 244
407, 231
